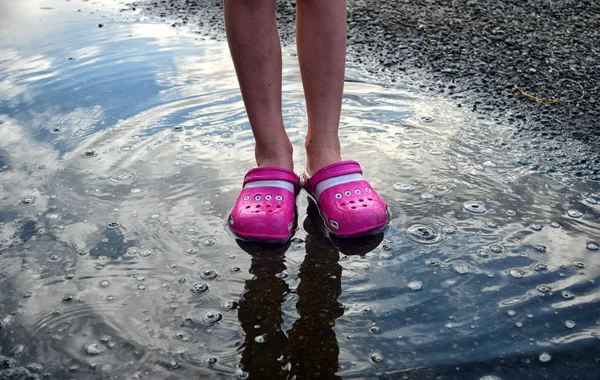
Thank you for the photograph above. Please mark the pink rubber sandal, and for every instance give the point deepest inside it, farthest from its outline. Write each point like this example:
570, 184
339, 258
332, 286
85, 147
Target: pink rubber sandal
265, 210
348, 204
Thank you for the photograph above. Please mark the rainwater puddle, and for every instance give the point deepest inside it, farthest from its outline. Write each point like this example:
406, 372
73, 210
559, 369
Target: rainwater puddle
122, 146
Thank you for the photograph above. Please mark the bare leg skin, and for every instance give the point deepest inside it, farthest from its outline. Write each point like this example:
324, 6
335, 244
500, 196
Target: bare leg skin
256, 51
321, 43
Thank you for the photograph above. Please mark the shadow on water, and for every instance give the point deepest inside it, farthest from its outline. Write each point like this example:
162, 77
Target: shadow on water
122, 148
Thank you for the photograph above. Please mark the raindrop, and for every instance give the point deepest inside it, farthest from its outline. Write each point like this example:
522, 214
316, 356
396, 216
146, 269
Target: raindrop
474, 207
105, 283
516, 273
462, 268
113, 224
94, 349
592, 246
415, 285
212, 316
423, 234
403, 188
199, 288
208, 274
376, 358
545, 357
536, 227
569, 324
567, 294
574, 214
27, 200
89, 153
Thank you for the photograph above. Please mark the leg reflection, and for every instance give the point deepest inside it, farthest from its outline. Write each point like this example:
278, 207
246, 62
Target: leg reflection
265, 350
313, 343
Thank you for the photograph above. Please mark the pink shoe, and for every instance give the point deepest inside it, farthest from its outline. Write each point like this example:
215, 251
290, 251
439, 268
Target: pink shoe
265, 210
348, 204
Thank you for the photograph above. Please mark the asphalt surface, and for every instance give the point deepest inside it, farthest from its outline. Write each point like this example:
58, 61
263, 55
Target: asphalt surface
533, 65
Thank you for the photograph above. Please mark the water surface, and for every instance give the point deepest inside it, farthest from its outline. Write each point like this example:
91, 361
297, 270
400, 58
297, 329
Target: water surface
122, 146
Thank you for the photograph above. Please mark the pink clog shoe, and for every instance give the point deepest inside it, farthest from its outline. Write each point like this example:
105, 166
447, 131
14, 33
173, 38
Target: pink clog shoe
265, 210
348, 204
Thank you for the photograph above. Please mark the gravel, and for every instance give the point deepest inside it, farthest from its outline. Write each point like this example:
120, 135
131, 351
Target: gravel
477, 52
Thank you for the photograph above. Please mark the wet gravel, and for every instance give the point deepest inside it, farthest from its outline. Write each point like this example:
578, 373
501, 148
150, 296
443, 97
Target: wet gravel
476, 52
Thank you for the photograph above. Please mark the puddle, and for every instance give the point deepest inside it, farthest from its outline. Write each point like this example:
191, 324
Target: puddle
122, 148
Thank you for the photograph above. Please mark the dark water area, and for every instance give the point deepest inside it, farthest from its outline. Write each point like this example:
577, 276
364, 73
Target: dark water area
123, 144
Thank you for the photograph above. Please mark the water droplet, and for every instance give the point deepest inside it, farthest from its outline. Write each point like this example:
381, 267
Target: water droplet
104, 283
492, 225
449, 230
474, 207
229, 305
234, 268
89, 153
27, 200
212, 316
510, 212
68, 297
511, 313
569, 324
260, 338
375, 329
113, 224
199, 288
403, 188
27, 295
516, 273
423, 234
110, 298
462, 268
135, 190
536, 227
145, 252
545, 357
208, 274
540, 267
567, 294
496, 248
540, 247
225, 190
574, 214
177, 128
543, 288
210, 242
592, 246
579, 264
415, 285
433, 262
483, 253
554, 225
94, 349
376, 358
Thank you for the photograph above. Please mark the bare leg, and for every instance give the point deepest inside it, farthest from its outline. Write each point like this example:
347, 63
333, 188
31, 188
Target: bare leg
321, 43
256, 52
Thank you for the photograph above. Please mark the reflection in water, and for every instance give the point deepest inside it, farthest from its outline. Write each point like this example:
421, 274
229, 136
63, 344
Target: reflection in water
309, 350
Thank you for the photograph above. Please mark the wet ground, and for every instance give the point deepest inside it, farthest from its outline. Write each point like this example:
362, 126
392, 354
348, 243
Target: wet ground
123, 144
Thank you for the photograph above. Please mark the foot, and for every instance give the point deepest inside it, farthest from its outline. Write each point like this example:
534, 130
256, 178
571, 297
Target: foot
319, 155
279, 154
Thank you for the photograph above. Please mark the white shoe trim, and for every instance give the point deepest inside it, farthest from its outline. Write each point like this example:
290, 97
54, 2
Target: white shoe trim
329, 183
275, 183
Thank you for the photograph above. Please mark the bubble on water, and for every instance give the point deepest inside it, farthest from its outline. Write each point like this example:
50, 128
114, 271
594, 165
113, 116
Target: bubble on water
386, 246
145, 252
260, 338
578, 264
574, 214
403, 188
567, 294
489, 164
539, 247
540, 267
516, 273
110, 298
90, 153
208, 274
511, 313
592, 246
121, 176
543, 288
177, 128
545, 357
113, 224
192, 250
536, 227
490, 377
55, 257
94, 349
35, 367
212, 316
439, 188
225, 190
135, 190
234, 269
510, 212
415, 285
229, 305
104, 283
199, 288
449, 230
519, 324
479, 167
82, 251
483, 253
592, 201
428, 197
492, 225
27, 295
462, 268
496, 248
103, 176
554, 225
242, 375
209, 242
68, 298
474, 207
423, 234
433, 262
376, 358
281, 275
27, 200
375, 329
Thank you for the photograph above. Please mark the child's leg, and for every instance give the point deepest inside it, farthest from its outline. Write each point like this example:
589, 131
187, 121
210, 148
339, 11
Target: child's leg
321, 42
256, 52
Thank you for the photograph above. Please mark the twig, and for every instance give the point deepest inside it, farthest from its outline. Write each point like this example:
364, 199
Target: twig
551, 100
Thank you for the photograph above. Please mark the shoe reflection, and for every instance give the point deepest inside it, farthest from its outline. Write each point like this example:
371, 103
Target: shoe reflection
309, 350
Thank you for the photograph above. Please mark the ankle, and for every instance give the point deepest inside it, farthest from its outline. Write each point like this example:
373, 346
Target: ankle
318, 157
280, 155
